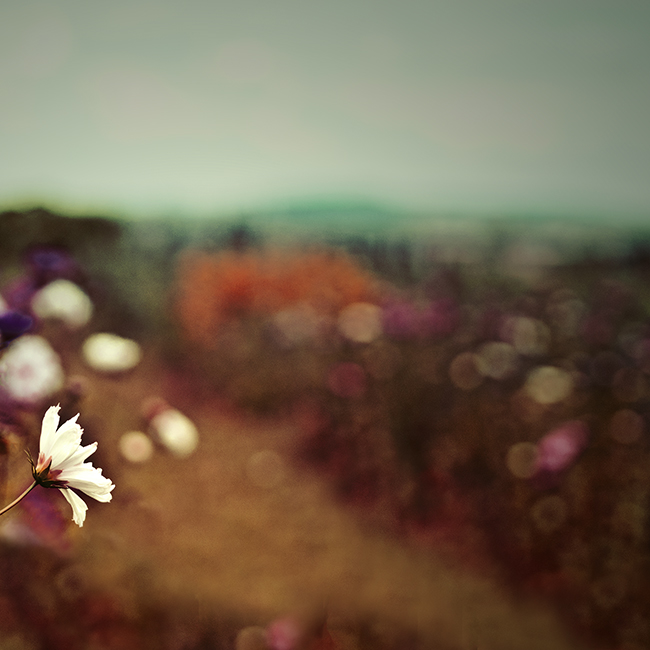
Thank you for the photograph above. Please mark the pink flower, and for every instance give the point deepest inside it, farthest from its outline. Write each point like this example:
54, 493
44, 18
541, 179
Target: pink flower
283, 634
558, 449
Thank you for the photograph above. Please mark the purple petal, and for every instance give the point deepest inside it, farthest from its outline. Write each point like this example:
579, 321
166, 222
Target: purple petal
13, 324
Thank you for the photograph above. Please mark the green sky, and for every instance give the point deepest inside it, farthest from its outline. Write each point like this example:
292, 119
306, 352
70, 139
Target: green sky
156, 106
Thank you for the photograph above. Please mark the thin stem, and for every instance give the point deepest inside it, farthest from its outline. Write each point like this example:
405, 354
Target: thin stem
19, 499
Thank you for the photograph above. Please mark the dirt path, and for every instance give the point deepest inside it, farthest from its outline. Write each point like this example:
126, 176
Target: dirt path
216, 531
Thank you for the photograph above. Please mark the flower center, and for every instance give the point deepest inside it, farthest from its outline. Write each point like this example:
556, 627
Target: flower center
45, 476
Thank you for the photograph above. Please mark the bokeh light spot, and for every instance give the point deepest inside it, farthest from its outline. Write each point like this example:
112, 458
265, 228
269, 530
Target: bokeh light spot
497, 360
548, 384
360, 322
136, 446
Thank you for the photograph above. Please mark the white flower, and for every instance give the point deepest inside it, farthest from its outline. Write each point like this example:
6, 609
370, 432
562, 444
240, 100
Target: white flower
30, 370
107, 352
61, 464
176, 432
64, 300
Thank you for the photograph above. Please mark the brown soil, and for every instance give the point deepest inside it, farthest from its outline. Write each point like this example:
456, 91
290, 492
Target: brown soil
207, 537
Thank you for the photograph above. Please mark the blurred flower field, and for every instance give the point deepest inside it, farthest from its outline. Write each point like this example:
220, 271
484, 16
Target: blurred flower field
326, 444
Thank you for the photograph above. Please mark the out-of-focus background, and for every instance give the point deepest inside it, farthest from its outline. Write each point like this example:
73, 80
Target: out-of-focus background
354, 298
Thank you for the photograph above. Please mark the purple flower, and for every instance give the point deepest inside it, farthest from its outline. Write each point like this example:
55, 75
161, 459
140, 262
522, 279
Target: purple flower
48, 263
12, 325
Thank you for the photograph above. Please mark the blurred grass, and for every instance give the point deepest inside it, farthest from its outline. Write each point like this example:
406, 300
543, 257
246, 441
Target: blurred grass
210, 536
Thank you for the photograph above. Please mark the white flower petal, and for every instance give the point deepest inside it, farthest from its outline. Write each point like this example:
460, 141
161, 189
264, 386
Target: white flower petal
89, 479
78, 456
66, 441
48, 430
79, 507
63, 445
99, 493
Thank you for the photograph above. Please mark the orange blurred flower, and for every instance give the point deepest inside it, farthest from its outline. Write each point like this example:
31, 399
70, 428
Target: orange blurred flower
215, 288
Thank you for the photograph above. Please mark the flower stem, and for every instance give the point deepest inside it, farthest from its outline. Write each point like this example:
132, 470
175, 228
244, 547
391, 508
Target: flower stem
19, 499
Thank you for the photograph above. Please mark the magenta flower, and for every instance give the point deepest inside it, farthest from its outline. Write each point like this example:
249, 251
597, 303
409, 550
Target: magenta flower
558, 449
